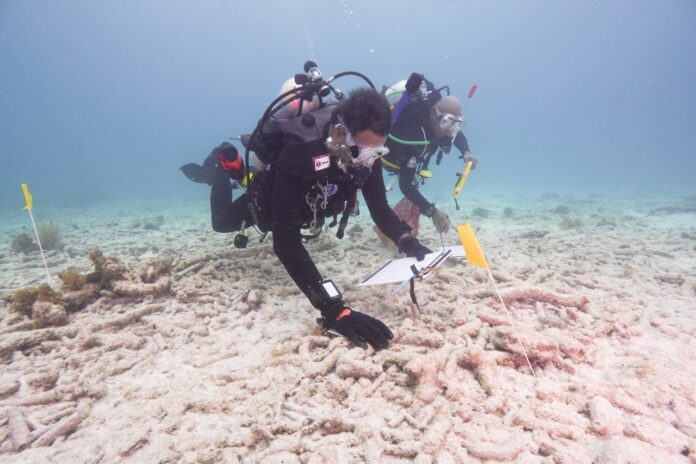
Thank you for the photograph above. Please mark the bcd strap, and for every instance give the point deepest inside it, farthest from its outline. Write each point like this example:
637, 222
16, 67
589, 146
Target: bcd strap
350, 205
398, 108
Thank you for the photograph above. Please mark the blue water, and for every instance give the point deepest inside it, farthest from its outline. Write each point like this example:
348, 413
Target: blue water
103, 101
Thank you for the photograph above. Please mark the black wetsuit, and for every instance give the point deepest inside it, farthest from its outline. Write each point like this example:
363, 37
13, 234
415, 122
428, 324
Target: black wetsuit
227, 215
294, 173
413, 124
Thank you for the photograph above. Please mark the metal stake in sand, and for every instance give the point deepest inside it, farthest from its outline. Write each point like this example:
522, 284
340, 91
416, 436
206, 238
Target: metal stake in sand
30, 203
475, 256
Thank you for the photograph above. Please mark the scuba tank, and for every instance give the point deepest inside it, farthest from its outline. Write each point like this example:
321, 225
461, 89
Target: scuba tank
415, 95
394, 93
292, 114
415, 89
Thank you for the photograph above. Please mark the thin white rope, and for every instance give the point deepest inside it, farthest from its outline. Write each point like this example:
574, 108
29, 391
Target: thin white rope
33, 224
519, 340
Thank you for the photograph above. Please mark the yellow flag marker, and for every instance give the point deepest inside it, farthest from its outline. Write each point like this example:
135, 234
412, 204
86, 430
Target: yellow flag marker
27, 197
475, 256
28, 207
474, 253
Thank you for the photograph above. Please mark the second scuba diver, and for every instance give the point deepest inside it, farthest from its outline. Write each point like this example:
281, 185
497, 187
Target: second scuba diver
223, 170
423, 123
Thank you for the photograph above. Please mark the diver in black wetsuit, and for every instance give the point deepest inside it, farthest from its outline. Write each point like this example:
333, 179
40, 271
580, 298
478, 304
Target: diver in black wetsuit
223, 170
424, 125
316, 163
323, 169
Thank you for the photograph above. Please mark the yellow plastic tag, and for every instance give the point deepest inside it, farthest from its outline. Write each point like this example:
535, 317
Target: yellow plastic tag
247, 179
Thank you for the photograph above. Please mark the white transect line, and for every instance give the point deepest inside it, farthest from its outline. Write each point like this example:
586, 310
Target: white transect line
519, 340
33, 224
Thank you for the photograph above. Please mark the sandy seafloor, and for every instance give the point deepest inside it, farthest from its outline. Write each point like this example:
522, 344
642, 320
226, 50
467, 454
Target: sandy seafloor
220, 359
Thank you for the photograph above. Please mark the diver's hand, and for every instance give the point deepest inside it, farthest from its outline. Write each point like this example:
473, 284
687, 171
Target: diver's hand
359, 328
412, 247
469, 157
441, 221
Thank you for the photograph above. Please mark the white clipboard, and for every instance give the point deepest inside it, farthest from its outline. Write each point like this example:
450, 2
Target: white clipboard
399, 270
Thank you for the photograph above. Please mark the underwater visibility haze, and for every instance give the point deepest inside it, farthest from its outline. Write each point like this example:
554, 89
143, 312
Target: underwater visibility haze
568, 338
106, 100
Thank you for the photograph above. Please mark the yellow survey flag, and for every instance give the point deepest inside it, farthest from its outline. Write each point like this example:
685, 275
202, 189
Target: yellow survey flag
474, 253
27, 197
462, 179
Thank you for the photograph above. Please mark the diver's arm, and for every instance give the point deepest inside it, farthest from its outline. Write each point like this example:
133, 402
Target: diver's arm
287, 245
406, 176
461, 142
376, 199
287, 203
463, 146
408, 128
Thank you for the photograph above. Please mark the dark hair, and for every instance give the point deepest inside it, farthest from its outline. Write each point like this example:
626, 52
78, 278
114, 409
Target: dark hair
365, 109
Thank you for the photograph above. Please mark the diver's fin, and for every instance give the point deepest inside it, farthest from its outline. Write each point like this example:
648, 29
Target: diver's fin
196, 173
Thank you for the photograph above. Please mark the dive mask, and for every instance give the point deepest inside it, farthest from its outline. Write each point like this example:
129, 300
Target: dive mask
366, 155
348, 153
449, 123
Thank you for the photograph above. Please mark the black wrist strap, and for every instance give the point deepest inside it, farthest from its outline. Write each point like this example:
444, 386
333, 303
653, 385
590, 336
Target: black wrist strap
331, 313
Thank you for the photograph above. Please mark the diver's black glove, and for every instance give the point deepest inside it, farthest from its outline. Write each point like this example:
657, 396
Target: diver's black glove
357, 327
412, 247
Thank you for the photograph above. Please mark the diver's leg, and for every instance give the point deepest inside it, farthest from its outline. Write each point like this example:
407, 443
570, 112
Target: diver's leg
227, 215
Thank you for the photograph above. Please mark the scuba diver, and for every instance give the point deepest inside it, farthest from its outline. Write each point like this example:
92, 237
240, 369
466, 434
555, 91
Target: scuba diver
423, 123
315, 162
223, 169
